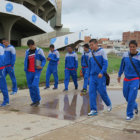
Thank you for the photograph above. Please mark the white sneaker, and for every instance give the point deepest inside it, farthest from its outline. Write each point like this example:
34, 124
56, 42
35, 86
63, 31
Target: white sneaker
13, 93
109, 108
129, 118
92, 113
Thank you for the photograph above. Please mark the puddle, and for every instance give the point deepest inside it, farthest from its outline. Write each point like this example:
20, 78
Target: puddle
65, 106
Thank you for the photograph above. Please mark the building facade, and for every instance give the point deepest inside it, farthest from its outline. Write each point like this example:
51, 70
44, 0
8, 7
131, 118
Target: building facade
128, 36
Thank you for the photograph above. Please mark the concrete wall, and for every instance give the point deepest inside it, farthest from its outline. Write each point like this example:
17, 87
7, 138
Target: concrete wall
43, 40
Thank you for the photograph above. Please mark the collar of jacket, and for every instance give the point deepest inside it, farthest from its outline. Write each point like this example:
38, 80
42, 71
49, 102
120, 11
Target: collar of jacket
97, 50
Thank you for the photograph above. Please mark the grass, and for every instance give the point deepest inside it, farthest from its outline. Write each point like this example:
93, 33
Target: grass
114, 63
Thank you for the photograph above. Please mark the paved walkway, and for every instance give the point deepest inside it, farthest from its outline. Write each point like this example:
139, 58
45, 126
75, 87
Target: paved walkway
106, 126
63, 116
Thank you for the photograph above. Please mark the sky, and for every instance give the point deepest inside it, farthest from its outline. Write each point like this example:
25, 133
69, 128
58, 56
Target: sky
102, 18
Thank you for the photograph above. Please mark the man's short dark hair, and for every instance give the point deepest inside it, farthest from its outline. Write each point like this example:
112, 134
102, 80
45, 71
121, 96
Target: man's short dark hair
52, 46
30, 42
93, 40
86, 46
133, 42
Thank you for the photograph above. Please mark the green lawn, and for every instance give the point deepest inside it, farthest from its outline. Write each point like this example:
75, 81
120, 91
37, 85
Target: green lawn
114, 63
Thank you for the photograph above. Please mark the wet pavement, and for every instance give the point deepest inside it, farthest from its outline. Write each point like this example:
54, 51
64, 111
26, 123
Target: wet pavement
62, 116
63, 106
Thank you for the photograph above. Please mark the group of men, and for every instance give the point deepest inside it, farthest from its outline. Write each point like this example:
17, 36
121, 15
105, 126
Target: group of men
94, 65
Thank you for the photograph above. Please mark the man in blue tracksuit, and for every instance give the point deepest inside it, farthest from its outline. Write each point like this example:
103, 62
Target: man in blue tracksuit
53, 59
34, 62
97, 78
71, 66
132, 78
84, 64
10, 59
3, 84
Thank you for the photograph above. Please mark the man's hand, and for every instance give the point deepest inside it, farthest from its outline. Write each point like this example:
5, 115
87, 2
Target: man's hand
48, 59
100, 75
39, 67
119, 79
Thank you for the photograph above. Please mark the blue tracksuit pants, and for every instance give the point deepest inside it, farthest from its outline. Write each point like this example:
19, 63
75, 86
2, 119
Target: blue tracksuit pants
33, 79
73, 74
3, 87
52, 69
10, 71
130, 91
97, 85
86, 77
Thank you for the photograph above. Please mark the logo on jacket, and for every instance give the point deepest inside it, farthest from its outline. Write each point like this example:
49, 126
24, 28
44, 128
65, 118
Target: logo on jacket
9, 7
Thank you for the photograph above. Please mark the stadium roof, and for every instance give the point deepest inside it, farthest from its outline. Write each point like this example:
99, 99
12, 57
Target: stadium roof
46, 9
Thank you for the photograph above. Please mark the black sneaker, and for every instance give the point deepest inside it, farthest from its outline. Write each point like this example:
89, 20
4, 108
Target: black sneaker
55, 88
76, 88
32, 104
36, 104
136, 111
46, 87
65, 90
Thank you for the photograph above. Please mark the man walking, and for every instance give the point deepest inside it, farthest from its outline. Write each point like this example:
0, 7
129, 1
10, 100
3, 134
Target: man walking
84, 64
130, 66
53, 59
3, 84
34, 62
71, 66
10, 59
97, 82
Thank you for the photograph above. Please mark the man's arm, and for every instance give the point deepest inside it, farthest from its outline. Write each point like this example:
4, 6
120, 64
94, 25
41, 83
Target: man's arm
76, 61
43, 59
105, 63
13, 56
56, 59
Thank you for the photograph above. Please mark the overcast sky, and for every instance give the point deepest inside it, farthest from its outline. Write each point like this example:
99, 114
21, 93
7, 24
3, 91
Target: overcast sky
103, 18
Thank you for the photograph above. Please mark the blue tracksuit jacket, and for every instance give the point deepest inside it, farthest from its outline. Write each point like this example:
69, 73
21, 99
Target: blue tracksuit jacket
54, 57
71, 61
39, 56
10, 55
